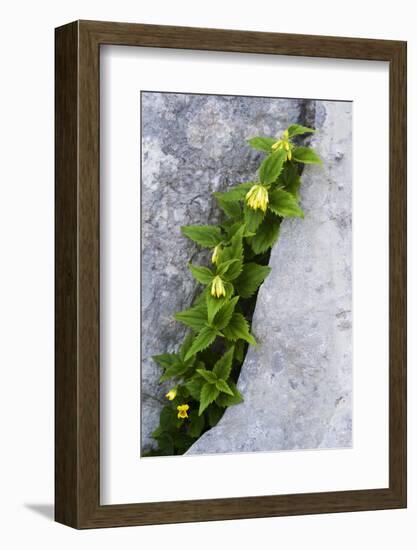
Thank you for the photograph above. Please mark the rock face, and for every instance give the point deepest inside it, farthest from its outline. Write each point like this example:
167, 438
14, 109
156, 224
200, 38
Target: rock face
297, 383
192, 145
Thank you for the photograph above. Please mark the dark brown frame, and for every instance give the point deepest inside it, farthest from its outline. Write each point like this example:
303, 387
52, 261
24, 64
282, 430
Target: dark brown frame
77, 472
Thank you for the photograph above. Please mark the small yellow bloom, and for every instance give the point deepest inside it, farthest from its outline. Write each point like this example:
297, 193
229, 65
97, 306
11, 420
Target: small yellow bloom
182, 411
217, 287
257, 197
284, 143
172, 394
216, 254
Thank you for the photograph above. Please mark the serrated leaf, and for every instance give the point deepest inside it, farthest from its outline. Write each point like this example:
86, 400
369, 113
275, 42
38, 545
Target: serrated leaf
166, 359
293, 187
235, 193
223, 366
235, 250
239, 351
262, 143
252, 276
297, 129
204, 235
214, 413
231, 208
194, 317
223, 267
306, 155
209, 392
238, 328
214, 304
204, 338
222, 386
253, 218
266, 235
194, 386
202, 274
284, 204
196, 424
223, 316
175, 370
233, 271
185, 346
208, 375
225, 400
271, 167
290, 179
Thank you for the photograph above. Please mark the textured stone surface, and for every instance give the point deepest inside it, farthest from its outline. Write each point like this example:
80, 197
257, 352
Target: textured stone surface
192, 145
297, 383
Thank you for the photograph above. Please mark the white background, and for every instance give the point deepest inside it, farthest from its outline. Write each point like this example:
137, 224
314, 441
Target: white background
125, 478
26, 295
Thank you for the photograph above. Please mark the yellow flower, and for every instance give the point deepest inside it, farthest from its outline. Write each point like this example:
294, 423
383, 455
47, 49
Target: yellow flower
284, 143
257, 197
217, 287
172, 394
182, 411
216, 254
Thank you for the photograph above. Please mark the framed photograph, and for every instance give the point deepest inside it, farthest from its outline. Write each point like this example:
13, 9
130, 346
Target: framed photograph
230, 274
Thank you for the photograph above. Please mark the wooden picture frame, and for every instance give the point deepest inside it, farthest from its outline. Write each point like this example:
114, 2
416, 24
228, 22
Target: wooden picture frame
77, 405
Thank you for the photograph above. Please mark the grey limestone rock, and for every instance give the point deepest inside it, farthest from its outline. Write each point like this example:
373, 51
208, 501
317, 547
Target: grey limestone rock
297, 383
192, 145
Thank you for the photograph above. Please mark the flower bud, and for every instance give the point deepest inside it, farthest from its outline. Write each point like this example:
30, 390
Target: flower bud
257, 197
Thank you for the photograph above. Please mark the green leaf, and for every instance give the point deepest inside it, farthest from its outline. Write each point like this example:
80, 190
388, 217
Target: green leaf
166, 359
168, 418
262, 143
284, 204
238, 328
253, 218
223, 267
156, 433
195, 317
222, 386
205, 235
175, 370
235, 193
165, 444
271, 167
203, 275
196, 424
306, 155
214, 304
223, 316
266, 235
186, 346
204, 338
231, 208
225, 400
235, 250
182, 442
232, 270
194, 386
223, 366
208, 375
252, 276
209, 392
293, 187
297, 129
239, 354
290, 179
214, 413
